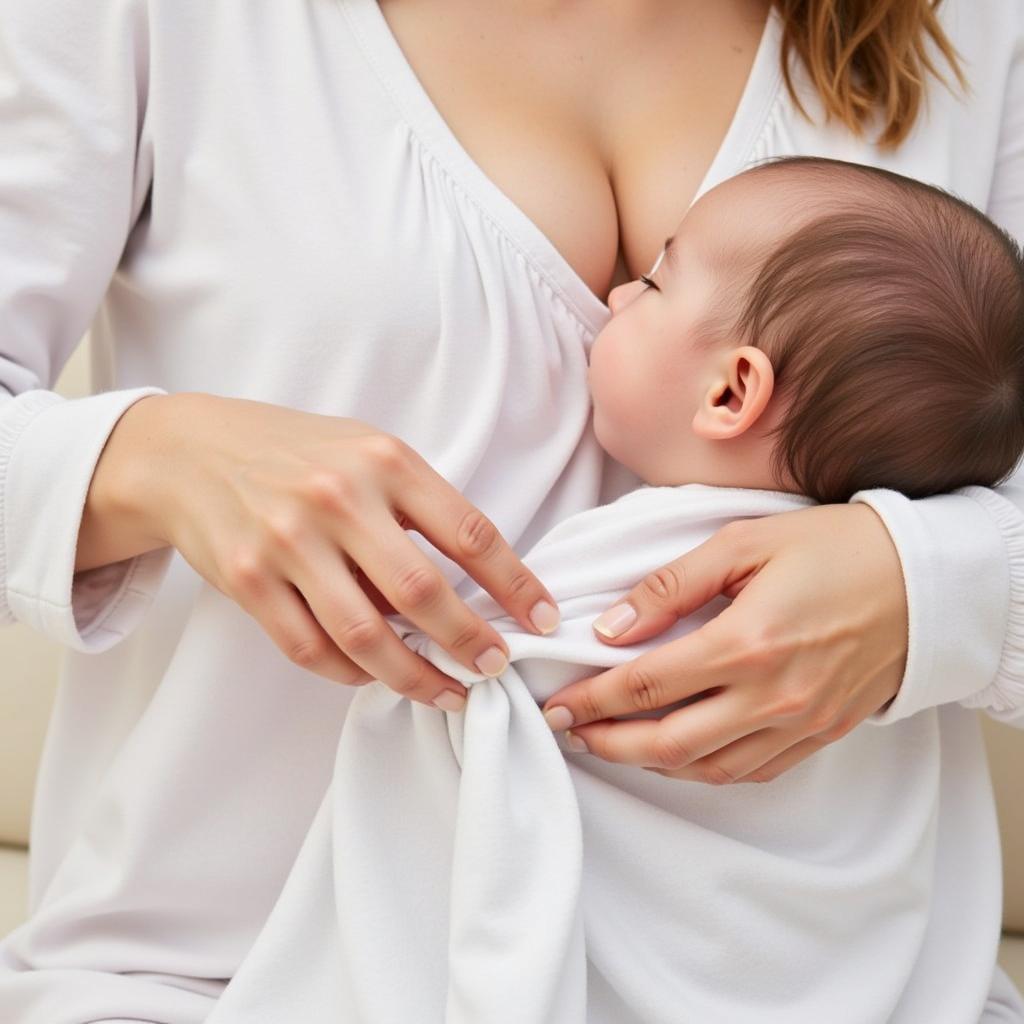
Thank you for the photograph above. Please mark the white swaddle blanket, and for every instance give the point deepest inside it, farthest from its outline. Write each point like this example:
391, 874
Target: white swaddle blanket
466, 868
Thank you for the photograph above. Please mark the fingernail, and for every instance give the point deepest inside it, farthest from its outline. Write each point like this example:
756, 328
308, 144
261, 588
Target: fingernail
545, 616
559, 718
492, 662
449, 700
575, 743
616, 620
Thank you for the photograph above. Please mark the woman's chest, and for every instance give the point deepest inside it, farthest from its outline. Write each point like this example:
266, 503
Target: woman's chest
599, 121
355, 188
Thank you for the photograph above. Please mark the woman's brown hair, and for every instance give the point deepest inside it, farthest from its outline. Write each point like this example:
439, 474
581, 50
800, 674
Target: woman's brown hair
866, 57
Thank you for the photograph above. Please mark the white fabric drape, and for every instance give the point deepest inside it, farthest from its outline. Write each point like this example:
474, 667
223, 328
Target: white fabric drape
464, 868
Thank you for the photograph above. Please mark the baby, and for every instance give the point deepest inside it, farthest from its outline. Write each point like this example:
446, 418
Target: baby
813, 328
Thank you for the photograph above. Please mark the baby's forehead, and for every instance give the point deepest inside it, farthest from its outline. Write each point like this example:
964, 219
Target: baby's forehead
795, 192
737, 217
757, 198
756, 209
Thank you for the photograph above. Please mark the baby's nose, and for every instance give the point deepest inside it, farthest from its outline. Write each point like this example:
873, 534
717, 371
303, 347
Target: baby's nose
621, 296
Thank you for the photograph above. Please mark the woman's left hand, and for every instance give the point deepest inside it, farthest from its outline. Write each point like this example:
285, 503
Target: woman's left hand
814, 641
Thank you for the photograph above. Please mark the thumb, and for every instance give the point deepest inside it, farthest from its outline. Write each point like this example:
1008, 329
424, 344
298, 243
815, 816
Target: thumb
723, 564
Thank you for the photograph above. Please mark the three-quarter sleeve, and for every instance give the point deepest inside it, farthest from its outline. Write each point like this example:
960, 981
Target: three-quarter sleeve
72, 182
963, 553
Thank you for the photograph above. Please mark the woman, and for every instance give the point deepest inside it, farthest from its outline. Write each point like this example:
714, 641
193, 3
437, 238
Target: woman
273, 205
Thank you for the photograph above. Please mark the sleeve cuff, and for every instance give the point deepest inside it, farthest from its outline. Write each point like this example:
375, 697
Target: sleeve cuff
1003, 698
49, 448
955, 568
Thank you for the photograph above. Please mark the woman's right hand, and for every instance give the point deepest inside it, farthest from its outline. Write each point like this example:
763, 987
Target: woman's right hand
282, 510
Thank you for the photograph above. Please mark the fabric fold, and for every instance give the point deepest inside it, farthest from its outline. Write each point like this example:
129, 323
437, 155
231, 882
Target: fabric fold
488, 927
509, 847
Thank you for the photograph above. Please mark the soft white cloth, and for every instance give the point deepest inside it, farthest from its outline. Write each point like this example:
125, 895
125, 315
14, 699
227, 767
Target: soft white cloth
465, 869
260, 200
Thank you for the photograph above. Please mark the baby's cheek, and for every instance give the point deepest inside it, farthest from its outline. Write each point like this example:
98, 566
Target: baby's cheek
618, 406
605, 376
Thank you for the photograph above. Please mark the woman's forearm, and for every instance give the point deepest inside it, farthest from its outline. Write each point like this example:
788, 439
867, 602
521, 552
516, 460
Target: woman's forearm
116, 521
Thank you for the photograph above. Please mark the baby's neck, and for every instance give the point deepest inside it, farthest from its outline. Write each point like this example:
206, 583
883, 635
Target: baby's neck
742, 462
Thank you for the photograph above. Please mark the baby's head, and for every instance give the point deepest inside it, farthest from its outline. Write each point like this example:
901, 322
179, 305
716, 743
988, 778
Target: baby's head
819, 327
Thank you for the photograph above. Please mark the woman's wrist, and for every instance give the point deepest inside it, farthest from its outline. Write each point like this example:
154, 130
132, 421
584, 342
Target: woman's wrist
130, 486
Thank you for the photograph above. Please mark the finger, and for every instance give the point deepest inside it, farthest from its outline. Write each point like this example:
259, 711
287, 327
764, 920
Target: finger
287, 620
722, 564
767, 753
462, 532
417, 588
349, 618
787, 759
651, 681
674, 741
747, 759
773, 767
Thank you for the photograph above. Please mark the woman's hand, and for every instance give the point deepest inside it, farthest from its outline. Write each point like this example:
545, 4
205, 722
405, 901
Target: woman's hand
282, 510
814, 641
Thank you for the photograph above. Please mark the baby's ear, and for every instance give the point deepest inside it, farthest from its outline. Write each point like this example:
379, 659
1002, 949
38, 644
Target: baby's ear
737, 396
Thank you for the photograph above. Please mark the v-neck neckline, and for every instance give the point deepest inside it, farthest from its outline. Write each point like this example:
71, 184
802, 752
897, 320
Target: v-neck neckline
385, 55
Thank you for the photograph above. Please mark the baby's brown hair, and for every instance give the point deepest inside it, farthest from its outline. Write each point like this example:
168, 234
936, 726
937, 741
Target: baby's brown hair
894, 321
